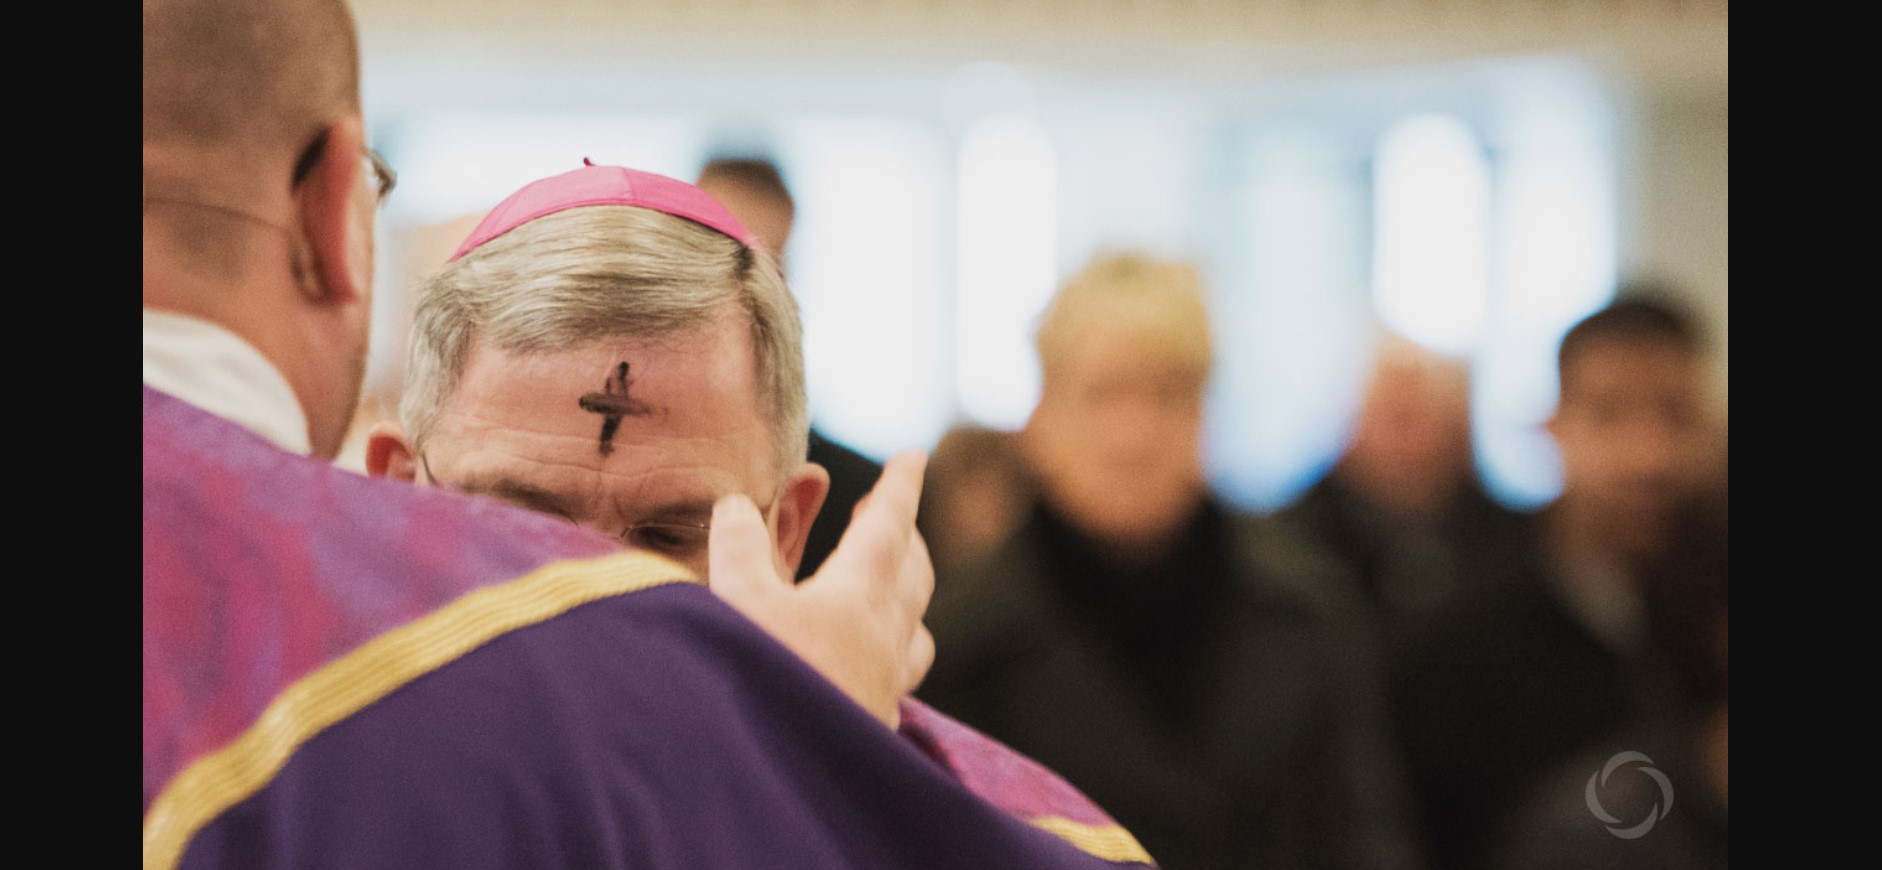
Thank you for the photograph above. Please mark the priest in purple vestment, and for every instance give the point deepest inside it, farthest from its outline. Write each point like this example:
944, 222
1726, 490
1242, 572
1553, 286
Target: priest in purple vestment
347, 672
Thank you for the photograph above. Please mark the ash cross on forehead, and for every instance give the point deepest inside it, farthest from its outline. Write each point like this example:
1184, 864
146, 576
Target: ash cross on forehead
612, 404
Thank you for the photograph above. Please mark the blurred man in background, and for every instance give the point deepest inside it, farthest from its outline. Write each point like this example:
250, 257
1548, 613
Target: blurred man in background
1402, 507
1194, 671
1497, 687
753, 190
1633, 775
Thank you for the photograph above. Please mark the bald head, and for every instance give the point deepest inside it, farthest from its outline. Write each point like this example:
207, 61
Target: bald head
236, 94
259, 74
258, 210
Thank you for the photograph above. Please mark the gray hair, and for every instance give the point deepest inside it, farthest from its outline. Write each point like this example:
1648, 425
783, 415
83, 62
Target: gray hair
596, 272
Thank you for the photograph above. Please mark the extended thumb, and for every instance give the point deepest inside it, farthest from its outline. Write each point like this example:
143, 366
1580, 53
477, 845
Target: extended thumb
739, 550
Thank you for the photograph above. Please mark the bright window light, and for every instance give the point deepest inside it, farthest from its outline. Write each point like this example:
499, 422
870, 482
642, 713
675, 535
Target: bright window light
1431, 279
866, 264
1556, 264
1006, 233
451, 165
1291, 313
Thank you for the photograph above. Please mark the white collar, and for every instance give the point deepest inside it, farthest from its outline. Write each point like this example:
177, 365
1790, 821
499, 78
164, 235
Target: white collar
216, 370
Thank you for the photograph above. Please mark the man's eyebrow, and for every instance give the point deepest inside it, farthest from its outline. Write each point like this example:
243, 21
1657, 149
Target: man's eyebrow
684, 510
518, 493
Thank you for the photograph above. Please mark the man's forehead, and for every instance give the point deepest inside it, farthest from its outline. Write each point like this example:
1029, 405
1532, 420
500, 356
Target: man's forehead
713, 354
609, 451
1118, 359
1621, 362
690, 394
1666, 381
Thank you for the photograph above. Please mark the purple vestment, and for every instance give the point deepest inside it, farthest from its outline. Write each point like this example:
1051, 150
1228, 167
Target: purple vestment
344, 672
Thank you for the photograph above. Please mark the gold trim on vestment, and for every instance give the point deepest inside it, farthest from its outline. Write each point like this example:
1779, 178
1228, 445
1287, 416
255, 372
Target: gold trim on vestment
1110, 842
214, 782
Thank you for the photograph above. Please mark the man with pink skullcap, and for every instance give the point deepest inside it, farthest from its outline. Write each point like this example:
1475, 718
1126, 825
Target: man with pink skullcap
613, 348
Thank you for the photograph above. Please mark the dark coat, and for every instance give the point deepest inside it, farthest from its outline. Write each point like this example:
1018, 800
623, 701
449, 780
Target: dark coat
1406, 570
1496, 688
1652, 779
1222, 705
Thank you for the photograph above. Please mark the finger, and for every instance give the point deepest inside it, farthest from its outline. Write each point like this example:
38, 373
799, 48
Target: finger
901, 458
917, 581
920, 659
739, 548
899, 487
874, 545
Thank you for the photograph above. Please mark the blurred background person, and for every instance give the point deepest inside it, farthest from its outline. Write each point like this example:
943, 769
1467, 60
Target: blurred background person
1195, 671
977, 491
1501, 685
753, 190
1403, 507
1685, 589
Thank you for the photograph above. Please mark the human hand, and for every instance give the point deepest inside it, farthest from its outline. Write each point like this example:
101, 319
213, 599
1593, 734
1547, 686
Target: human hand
858, 619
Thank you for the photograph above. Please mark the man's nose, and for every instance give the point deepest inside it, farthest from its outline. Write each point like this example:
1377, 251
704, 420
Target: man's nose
1657, 448
1133, 425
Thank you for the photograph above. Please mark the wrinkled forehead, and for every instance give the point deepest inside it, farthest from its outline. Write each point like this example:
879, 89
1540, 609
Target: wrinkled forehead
695, 383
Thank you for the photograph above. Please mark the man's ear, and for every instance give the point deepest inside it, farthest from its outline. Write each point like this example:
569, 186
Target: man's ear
797, 508
331, 252
388, 454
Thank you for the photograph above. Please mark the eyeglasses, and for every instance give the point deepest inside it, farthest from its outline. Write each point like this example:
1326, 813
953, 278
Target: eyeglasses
384, 178
683, 542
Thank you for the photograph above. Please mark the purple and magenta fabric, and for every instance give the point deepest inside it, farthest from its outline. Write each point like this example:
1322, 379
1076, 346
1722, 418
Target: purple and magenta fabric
357, 673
